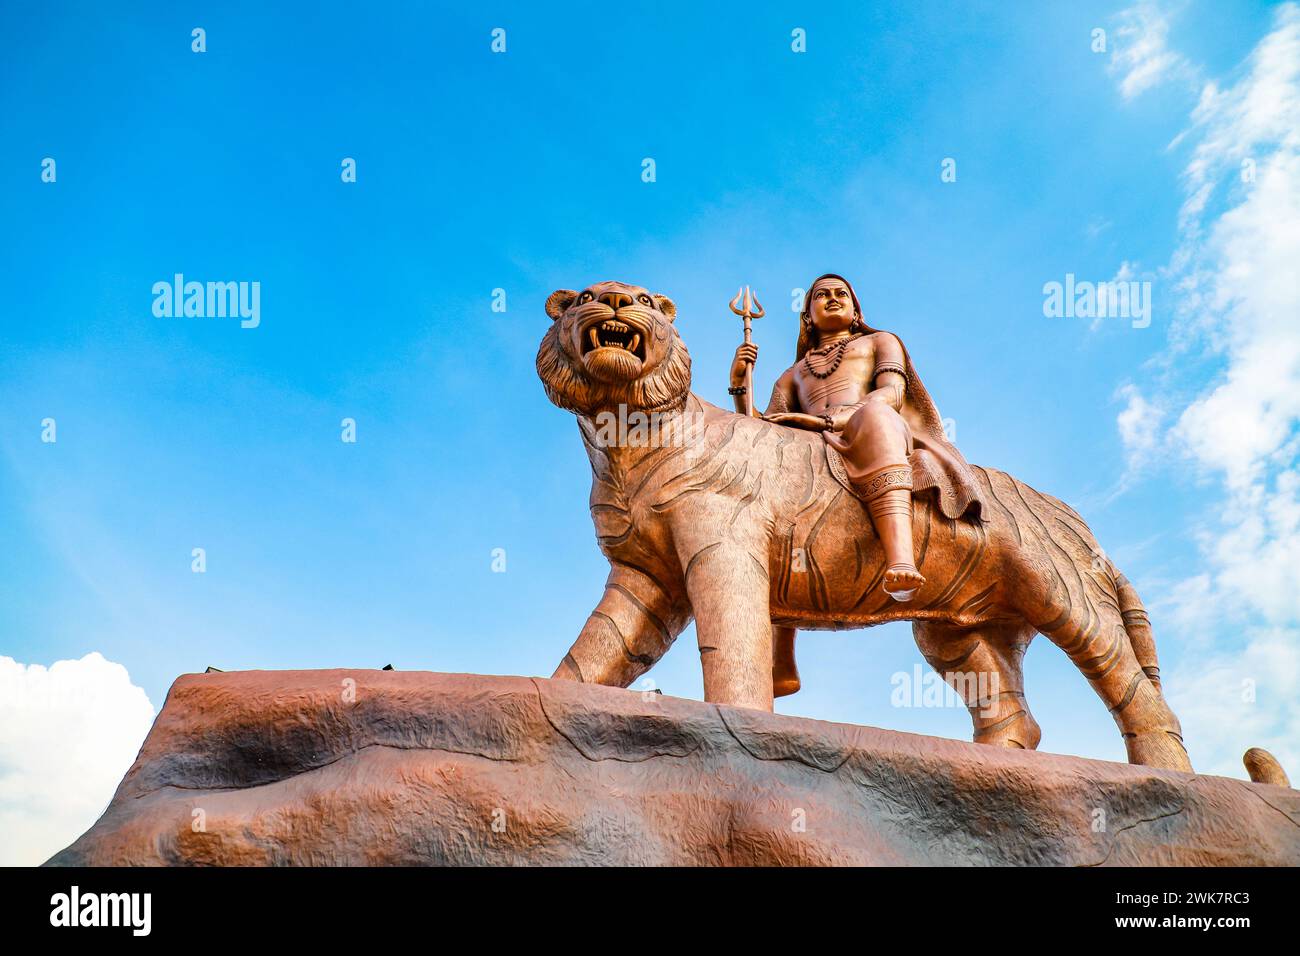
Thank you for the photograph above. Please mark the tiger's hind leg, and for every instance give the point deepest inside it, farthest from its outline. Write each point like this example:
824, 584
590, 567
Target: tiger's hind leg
983, 665
1096, 640
1059, 580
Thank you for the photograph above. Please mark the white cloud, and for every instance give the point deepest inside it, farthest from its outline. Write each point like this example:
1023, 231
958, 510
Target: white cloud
1139, 426
68, 733
1231, 702
1238, 303
1188, 609
1242, 304
1142, 58
1245, 307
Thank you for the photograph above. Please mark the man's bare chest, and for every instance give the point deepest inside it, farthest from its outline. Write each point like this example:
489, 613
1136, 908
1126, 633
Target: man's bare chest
822, 382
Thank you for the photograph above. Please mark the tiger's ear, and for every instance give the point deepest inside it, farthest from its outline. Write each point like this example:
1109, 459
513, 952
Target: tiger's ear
559, 301
666, 306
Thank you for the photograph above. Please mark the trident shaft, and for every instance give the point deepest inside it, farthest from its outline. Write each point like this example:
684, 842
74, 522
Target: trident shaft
747, 306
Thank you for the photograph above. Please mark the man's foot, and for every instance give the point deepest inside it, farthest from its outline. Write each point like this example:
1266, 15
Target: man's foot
902, 581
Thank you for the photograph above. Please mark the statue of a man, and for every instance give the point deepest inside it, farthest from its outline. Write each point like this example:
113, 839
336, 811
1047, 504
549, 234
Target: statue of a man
857, 386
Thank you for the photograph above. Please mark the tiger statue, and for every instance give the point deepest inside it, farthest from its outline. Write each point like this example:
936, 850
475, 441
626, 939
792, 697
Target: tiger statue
740, 524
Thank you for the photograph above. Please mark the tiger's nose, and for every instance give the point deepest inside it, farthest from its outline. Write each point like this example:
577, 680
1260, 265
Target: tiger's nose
615, 300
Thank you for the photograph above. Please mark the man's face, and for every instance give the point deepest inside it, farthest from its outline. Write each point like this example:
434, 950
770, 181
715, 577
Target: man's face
832, 306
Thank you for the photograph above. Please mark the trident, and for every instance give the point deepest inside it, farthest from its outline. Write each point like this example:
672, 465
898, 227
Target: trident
747, 306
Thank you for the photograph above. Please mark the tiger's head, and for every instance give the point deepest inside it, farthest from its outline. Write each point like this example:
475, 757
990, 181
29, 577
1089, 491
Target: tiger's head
613, 344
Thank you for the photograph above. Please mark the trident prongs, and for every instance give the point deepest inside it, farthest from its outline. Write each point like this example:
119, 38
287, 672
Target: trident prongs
747, 306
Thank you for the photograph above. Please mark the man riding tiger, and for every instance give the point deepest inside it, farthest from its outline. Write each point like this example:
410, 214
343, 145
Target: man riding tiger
856, 385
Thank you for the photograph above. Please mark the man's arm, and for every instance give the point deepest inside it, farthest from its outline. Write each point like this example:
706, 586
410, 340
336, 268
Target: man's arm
784, 400
746, 356
784, 397
783, 409
888, 379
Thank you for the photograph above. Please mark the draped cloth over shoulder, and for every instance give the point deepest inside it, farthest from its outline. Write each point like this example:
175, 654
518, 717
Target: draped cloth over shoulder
936, 462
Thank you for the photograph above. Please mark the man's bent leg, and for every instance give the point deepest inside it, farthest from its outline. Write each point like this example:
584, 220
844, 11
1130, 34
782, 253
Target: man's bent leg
875, 445
888, 494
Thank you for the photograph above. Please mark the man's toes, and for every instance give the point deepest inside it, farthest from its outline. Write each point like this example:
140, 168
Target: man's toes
901, 583
903, 578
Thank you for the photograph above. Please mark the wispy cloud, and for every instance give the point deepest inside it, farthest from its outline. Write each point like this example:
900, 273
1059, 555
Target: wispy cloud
1238, 299
1142, 58
1096, 226
1139, 426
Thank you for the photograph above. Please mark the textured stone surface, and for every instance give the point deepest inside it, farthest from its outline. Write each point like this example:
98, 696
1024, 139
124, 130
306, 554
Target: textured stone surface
284, 769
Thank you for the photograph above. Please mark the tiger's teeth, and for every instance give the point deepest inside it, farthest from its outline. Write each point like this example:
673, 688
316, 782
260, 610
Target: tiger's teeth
636, 340
595, 339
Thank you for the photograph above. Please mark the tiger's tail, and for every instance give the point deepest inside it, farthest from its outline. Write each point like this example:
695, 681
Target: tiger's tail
1264, 768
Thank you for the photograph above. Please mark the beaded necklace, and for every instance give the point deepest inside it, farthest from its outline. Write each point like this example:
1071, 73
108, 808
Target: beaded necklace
838, 349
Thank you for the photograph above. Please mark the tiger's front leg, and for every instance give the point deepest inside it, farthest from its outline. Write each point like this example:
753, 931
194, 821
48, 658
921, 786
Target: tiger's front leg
635, 622
728, 589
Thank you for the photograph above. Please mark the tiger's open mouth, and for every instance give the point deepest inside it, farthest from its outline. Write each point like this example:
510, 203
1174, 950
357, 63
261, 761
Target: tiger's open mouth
613, 334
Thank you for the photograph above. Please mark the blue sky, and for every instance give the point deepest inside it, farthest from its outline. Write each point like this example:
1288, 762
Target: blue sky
522, 171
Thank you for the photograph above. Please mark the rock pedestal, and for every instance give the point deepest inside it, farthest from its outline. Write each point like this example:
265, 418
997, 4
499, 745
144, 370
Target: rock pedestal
362, 767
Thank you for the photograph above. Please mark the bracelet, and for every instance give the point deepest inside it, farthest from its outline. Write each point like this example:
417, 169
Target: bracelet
830, 422
737, 390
